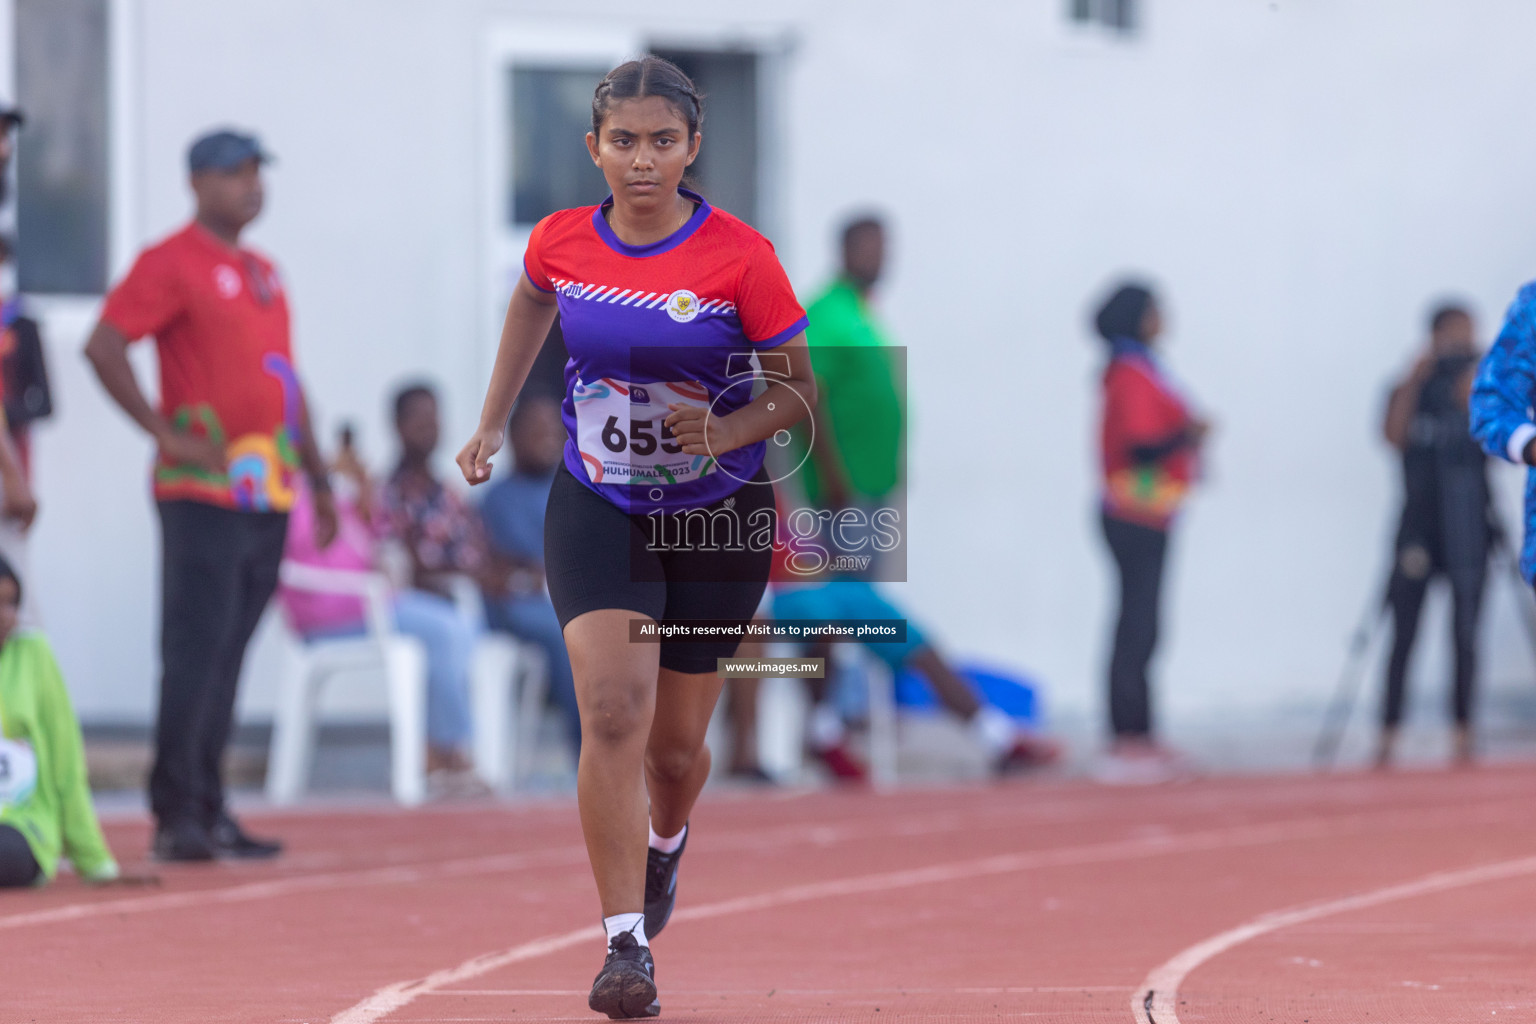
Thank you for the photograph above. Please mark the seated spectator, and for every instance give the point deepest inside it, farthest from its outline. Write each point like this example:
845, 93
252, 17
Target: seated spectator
444, 540
45, 801
513, 513
445, 632
823, 598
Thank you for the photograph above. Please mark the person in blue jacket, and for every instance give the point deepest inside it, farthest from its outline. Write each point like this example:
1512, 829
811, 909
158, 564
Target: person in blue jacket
1500, 406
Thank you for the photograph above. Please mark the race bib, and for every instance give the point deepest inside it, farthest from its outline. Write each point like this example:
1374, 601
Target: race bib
622, 436
18, 772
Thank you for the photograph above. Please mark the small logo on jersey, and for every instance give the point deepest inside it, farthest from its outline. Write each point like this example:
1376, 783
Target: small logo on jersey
638, 395
227, 280
572, 291
683, 305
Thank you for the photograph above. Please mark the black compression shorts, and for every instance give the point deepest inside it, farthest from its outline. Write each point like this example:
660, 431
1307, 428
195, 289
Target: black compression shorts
598, 556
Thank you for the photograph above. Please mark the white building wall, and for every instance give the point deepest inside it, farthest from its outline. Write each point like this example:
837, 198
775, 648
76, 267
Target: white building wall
1300, 179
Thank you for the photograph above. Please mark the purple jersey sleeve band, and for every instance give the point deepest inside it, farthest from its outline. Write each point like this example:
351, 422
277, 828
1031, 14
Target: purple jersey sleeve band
789, 332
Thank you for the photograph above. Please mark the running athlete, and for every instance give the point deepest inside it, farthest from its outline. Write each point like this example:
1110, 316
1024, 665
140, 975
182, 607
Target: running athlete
663, 301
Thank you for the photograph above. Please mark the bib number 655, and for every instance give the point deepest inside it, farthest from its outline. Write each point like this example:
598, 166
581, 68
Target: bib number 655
642, 439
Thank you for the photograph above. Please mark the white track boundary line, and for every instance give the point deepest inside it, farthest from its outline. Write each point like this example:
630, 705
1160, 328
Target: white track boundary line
1156, 1001
1051, 811
390, 998
426, 871
791, 834
405, 874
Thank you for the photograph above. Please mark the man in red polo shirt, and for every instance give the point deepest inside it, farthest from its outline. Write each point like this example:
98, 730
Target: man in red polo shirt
232, 431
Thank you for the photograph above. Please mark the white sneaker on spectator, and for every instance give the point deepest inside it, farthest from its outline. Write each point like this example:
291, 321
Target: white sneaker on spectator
1134, 762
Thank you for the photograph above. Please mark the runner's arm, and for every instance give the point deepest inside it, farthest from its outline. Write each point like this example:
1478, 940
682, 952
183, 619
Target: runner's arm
777, 408
529, 316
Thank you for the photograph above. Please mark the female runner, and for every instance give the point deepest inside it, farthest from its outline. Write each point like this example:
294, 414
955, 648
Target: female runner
656, 292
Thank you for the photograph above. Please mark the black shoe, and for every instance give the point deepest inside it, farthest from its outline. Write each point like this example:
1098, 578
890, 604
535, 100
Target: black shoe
626, 986
752, 773
661, 886
230, 840
183, 841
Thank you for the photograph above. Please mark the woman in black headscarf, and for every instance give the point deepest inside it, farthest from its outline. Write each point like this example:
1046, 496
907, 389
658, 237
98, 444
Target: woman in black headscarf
1149, 443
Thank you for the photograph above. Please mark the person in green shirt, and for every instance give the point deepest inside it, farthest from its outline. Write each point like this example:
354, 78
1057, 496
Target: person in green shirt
45, 803
856, 463
860, 422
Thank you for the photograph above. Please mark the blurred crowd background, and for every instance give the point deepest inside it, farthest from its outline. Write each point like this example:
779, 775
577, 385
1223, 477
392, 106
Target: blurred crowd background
1302, 182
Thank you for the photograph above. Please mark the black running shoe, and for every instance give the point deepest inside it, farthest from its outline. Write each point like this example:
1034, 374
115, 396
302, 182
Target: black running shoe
661, 887
183, 841
626, 986
230, 840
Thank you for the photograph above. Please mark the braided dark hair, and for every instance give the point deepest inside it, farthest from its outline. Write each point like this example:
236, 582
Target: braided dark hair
649, 76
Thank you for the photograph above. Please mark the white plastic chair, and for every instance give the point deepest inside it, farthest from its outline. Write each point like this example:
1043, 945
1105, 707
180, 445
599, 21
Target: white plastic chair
783, 707
882, 722
402, 660
505, 734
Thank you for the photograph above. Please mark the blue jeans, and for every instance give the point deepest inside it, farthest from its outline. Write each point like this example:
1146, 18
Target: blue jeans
449, 637
532, 619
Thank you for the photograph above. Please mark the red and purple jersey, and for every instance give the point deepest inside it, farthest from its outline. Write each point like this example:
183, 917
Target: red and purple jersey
672, 322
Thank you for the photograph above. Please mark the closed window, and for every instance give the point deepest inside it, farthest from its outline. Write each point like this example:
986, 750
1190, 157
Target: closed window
551, 115
1116, 15
61, 152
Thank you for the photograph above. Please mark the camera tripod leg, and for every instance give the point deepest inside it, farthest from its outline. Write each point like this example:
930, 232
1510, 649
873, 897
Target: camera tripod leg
1342, 708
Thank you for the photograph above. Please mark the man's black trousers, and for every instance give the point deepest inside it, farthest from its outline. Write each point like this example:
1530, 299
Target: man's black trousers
218, 570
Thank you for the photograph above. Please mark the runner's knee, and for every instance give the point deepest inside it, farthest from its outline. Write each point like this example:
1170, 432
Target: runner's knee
673, 762
614, 711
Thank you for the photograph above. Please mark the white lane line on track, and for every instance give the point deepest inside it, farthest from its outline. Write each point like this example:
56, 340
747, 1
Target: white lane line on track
1156, 1001
401, 875
390, 998
881, 992
794, 834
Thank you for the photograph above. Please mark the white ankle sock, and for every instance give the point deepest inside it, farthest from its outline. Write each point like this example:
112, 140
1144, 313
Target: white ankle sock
826, 727
669, 845
994, 728
632, 923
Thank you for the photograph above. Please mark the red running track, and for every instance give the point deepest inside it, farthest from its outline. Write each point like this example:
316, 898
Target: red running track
1396, 898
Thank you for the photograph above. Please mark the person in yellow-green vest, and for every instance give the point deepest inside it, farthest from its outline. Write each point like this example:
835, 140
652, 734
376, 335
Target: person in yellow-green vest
45, 803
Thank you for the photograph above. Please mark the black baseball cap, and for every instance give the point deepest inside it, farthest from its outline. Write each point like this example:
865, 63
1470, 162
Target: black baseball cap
224, 150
